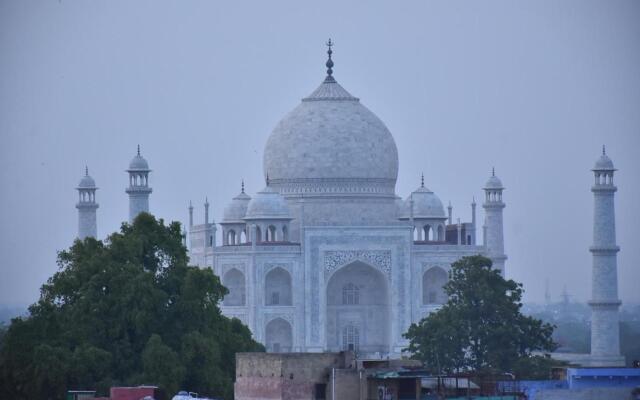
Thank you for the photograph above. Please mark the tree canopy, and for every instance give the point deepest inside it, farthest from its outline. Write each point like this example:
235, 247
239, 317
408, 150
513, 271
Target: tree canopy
480, 327
124, 311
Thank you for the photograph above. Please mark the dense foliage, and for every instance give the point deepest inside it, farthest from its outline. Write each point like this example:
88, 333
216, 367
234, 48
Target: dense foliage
480, 328
125, 311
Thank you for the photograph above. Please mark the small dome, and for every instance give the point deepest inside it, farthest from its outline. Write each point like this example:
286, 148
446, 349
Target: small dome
237, 209
604, 163
138, 163
268, 204
87, 181
426, 204
494, 182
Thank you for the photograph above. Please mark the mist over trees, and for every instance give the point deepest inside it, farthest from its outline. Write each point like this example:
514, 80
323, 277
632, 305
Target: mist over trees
124, 311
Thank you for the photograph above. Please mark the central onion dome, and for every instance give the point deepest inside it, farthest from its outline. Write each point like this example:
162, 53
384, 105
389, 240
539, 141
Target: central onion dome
331, 143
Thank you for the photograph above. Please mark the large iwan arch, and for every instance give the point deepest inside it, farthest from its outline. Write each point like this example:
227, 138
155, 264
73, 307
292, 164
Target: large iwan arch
278, 336
277, 288
233, 280
358, 301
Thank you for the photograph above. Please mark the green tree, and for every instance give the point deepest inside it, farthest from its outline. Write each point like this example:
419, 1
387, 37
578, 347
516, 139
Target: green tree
161, 365
480, 327
124, 311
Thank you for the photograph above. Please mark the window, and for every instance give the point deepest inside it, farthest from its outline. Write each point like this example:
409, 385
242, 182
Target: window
275, 298
351, 338
432, 297
350, 294
320, 391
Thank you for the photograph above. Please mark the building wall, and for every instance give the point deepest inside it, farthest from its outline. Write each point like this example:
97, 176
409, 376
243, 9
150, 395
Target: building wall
138, 202
310, 277
285, 376
87, 225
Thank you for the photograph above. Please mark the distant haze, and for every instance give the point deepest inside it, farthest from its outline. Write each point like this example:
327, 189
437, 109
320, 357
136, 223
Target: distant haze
532, 88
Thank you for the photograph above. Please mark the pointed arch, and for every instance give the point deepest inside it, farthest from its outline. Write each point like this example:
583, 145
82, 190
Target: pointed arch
231, 237
277, 288
234, 281
370, 313
271, 233
278, 336
433, 281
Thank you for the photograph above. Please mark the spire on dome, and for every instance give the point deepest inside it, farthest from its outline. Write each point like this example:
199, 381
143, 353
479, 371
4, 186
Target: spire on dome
267, 179
138, 150
493, 171
329, 63
422, 180
242, 191
604, 153
86, 170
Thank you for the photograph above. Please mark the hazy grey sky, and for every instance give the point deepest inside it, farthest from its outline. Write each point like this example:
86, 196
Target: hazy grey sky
534, 88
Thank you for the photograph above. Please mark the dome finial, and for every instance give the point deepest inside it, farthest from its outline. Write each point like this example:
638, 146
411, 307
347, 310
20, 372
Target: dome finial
138, 150
86, 171
604, 153
243, 186
422, 180
267, 179
493, 171
329, 62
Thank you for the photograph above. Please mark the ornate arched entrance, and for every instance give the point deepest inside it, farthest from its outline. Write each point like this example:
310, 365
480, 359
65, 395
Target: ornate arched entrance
278, 336
358, 310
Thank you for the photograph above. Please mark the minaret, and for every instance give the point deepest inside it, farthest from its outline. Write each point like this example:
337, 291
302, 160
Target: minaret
450, 211
493, 232
473, 221
138, 189
604, 303
87, 206
206, 211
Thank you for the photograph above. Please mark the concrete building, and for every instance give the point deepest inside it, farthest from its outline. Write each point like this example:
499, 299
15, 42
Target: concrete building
87, 207
326, 376
327, 257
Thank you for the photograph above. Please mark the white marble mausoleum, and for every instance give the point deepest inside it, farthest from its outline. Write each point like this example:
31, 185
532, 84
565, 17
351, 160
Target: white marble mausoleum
327, 256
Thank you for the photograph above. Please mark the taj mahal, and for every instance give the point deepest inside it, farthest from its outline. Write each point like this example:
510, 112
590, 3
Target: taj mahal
327, 256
